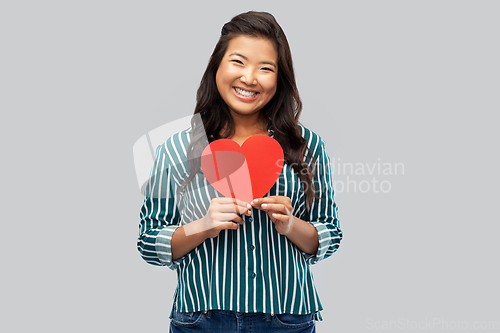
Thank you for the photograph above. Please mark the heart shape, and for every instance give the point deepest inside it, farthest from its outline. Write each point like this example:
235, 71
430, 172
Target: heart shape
245, 172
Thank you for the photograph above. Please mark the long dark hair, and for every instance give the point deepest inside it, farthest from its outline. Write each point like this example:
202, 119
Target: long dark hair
283, 110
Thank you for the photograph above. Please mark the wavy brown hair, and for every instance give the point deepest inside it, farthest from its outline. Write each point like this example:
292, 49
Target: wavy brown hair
283, 110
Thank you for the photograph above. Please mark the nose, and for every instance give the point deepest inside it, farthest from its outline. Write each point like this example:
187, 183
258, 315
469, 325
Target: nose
248, 77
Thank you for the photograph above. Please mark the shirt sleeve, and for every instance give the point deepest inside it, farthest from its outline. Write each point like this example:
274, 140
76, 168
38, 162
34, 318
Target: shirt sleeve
159, 213
323, 214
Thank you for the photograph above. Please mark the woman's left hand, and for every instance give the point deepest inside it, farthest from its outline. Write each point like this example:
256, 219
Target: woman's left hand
279, 209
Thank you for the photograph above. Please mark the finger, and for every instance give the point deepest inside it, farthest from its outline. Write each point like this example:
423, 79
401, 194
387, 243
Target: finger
276, 199
281, 217
231, 205
226, 217
256, 203
236, 205
242, 207
277, 207
230, 225
260, 201
238, 220
225, 201
231, 208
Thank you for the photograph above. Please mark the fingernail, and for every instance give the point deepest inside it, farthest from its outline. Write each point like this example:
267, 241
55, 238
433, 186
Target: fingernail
256, 200
249, 206
264, 205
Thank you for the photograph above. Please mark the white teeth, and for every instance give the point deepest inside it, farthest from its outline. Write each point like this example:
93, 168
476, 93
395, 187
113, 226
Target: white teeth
245, 93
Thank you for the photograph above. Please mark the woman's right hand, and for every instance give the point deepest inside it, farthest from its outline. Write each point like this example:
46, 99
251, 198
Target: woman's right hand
221, 214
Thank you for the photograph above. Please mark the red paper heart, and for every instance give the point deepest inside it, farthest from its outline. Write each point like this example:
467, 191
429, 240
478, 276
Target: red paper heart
245, 172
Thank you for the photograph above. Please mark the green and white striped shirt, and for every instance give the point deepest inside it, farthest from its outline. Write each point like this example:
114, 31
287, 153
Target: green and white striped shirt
251, 269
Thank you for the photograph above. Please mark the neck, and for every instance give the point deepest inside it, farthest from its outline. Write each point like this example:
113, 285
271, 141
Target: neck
248, 125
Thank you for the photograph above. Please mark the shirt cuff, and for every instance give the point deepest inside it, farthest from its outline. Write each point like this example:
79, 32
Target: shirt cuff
163, 246
323, 240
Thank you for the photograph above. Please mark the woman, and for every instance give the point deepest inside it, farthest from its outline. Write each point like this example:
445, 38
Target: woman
250, 271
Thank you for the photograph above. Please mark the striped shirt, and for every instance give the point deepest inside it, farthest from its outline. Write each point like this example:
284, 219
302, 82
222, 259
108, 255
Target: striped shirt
251, 269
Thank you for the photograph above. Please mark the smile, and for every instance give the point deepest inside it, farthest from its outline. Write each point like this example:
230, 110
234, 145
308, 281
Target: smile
245, 93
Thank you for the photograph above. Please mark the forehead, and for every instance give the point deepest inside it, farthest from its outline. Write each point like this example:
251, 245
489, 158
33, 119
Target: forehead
256, 47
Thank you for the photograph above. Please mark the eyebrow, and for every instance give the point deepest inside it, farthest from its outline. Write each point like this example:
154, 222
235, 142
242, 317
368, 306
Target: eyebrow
262, 62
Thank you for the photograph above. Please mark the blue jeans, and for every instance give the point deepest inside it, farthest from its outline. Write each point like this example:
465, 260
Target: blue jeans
214, 321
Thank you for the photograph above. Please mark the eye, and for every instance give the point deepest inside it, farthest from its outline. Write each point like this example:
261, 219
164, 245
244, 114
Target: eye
237, 61
267, 69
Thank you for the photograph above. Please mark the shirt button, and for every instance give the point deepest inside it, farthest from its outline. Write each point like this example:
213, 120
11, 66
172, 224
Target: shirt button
252, 247
253, 275
250, 219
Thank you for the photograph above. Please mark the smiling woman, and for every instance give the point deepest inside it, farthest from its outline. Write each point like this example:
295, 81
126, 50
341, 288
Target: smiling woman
243, 266
247, 76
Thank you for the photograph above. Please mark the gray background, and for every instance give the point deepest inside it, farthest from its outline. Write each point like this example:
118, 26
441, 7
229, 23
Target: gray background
412, 82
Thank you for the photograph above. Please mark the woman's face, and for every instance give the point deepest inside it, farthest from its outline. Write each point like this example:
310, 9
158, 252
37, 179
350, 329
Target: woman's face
248, 74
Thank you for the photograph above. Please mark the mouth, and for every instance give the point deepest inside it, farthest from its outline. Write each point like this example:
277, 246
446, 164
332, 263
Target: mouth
246, 94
